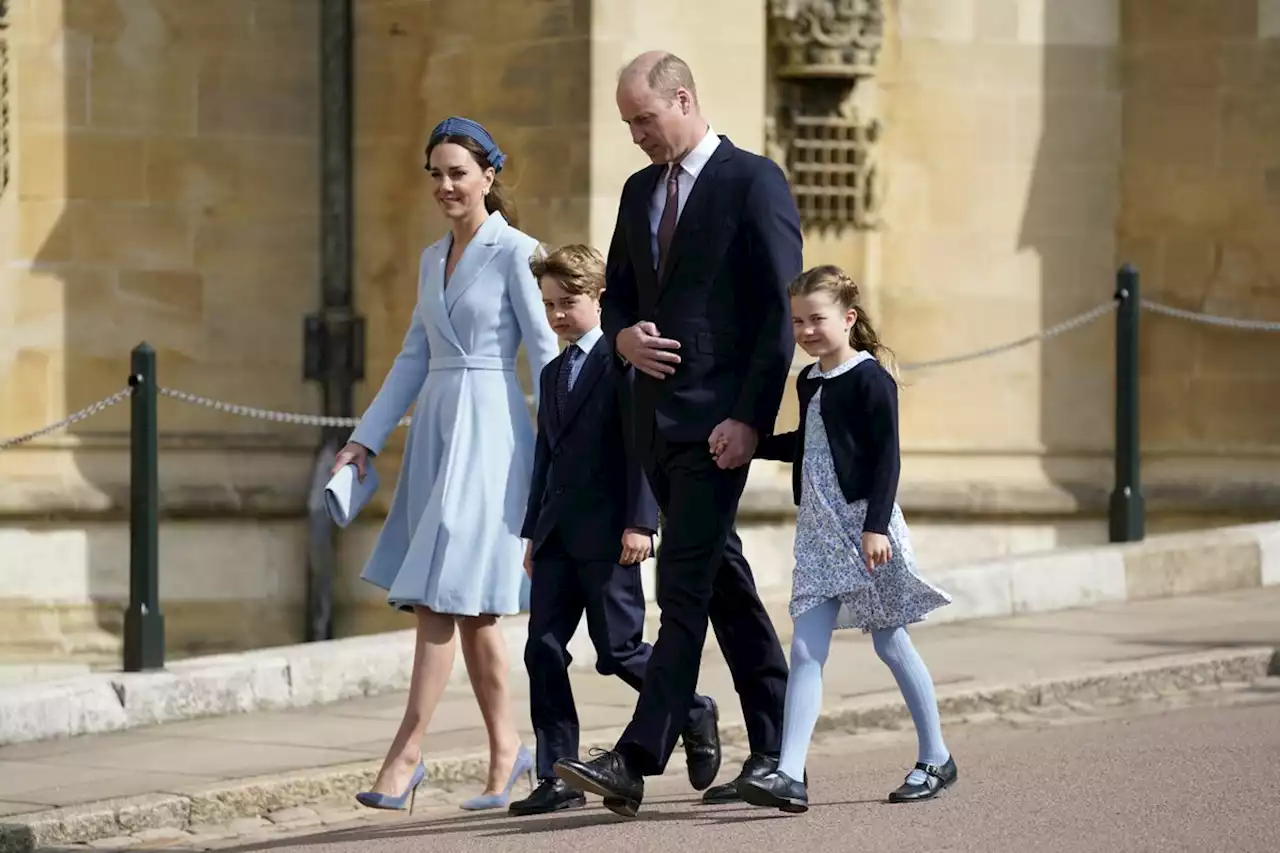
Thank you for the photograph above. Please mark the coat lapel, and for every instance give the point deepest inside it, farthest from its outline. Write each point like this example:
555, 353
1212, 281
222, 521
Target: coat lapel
693, 217
641, 230
554, 423
433, 261
482, 249
597, 361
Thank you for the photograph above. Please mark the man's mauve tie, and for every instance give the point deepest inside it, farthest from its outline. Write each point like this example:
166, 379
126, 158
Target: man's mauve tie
667, 225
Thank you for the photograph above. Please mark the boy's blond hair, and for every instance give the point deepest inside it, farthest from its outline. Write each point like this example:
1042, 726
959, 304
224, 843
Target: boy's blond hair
578, 268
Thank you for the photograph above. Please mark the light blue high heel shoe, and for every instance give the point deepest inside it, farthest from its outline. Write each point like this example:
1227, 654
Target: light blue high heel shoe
387, 801
522, 767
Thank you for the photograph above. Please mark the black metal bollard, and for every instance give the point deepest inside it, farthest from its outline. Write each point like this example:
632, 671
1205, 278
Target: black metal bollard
143, 622
1128, 510
334, 354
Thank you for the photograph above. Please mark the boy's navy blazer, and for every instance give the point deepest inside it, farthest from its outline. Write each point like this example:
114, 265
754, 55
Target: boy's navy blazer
588, 485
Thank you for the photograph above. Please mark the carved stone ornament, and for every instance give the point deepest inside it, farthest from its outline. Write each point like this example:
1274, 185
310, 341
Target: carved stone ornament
826, 144
834, 171
827, 38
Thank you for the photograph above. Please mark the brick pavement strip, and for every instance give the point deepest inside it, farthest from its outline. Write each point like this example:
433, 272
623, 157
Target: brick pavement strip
275, 803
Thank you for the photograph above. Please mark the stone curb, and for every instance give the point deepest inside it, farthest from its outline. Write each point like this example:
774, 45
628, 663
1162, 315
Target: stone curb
1167, 566
300, 676
1117, 683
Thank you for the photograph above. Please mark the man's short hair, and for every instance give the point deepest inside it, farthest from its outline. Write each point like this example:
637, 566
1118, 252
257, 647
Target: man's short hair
670, 73
664, 74
579, 269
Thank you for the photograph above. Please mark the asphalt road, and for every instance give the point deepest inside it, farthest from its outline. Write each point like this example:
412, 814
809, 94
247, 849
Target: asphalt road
1203, 778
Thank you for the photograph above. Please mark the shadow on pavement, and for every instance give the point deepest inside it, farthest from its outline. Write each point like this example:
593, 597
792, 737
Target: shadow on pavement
498, 825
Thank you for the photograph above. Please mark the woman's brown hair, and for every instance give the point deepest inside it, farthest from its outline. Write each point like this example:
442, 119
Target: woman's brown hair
844, 292
498, 199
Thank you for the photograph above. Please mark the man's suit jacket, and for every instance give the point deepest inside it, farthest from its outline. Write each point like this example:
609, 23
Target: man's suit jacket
722, 295
588, 485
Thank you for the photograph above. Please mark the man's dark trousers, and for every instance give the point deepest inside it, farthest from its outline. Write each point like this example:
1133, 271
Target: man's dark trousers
703, 577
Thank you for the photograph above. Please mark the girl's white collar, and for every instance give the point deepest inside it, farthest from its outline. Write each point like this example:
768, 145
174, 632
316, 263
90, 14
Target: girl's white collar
859, 357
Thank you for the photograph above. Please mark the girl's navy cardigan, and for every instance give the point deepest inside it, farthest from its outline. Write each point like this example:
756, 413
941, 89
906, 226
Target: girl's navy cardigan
860, 412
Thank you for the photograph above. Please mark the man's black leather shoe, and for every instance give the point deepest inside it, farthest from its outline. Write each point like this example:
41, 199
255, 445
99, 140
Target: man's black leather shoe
702, 746
607, 775
551, 795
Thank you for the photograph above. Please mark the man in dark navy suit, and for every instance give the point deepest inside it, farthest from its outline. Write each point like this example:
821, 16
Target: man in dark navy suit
706, 241
590, 523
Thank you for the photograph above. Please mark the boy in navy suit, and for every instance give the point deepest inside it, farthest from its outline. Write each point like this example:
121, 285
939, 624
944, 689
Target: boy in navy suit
590, 523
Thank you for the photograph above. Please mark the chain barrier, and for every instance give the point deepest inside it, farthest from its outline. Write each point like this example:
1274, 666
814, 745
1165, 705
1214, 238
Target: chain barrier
328, 421
1210, 319
83, 414
263, 414
1051, 332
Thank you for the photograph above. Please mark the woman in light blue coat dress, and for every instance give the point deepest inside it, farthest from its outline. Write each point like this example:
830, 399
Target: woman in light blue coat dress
450, 550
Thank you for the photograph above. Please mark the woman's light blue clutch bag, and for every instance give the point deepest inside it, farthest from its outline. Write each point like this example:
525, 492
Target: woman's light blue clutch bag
345, 495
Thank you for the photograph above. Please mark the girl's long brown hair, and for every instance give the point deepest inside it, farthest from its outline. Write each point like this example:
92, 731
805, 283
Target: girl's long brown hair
844, 291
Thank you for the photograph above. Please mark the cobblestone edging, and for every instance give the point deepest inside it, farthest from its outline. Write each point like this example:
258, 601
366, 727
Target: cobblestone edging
285, 798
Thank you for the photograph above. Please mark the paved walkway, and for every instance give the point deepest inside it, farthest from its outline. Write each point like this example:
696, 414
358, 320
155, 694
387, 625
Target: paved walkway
189, 756
1061, 786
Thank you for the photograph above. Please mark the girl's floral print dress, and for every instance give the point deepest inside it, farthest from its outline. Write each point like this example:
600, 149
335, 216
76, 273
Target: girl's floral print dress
828, 549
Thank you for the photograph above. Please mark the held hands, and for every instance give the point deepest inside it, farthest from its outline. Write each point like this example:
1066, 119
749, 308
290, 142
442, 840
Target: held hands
651, 355
352, 454
635, 547
876, 550
733, 443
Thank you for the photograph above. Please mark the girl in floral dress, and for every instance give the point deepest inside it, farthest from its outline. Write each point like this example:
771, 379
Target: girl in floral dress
854, 564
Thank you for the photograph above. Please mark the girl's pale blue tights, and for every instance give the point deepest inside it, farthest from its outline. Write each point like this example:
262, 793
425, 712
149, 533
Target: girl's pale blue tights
809, 647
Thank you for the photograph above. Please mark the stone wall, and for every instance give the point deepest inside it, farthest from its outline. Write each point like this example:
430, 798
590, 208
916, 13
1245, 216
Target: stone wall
163, 188
1200, 215
1002, 143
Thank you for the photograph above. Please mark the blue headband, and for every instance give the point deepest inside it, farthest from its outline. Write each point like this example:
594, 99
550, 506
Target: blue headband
458, 126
